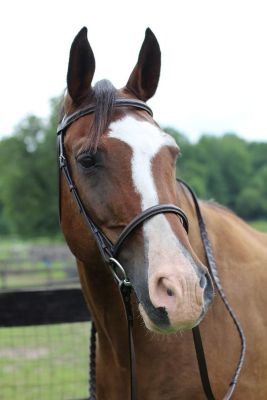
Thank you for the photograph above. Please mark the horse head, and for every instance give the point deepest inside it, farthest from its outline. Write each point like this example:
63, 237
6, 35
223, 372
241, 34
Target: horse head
122, 164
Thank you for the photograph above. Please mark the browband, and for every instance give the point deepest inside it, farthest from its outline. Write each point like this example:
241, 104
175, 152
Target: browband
120, 102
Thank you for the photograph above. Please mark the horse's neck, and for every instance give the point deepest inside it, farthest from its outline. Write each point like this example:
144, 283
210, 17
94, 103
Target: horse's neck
229, 235
106, 307
236, 248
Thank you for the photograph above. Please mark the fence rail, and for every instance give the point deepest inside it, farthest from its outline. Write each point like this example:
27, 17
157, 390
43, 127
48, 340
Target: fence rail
45, 332
11, 279
44, 324
42, 307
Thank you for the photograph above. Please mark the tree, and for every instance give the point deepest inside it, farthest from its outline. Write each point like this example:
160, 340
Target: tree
227, 169
28, 179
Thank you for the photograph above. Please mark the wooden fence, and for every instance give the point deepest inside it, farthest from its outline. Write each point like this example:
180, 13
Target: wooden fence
41, 276
42, 307
32, 272
31, 308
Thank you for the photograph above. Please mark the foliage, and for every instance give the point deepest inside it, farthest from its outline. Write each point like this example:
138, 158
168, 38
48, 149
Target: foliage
228, 169
28, 193
260, 225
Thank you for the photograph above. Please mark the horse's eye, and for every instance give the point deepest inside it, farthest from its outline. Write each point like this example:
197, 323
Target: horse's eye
86, 160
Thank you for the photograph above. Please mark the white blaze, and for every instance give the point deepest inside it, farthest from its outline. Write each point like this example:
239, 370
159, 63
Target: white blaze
146, 140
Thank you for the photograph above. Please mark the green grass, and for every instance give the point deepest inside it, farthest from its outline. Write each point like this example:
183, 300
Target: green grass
41, 362
7, 246
50, 263
21, 247
260, 225
44, 362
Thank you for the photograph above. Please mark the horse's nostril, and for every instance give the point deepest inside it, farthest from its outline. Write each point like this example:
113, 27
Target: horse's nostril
170, 292
203, 281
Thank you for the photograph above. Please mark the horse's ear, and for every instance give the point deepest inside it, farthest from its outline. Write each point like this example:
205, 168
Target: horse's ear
81, 67
144, 79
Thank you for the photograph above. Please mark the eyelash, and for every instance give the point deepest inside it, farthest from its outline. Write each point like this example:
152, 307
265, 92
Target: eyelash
87, 161
82, 153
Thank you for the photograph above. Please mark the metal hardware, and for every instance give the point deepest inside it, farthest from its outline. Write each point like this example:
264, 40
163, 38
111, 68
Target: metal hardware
119, 279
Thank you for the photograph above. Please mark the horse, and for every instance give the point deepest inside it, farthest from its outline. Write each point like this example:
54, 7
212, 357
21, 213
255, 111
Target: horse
120, 164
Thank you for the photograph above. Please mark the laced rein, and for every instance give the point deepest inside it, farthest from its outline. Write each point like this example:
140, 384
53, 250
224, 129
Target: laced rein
196, 333
110, 251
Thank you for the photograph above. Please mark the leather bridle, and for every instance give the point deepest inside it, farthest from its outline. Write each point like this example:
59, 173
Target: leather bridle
109, 252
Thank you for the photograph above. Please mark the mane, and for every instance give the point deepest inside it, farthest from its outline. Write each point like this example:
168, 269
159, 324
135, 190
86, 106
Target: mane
211, 203
104, 95
214, 204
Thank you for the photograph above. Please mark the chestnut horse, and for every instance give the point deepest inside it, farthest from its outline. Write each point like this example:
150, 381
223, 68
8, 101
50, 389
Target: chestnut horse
121, 164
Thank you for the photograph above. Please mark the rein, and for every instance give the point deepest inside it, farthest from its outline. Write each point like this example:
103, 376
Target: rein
109, 252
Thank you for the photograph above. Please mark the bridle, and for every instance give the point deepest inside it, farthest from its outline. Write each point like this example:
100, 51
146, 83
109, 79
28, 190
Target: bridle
110, 251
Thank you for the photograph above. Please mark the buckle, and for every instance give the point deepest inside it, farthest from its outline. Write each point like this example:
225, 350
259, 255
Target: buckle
118, 272
62, 161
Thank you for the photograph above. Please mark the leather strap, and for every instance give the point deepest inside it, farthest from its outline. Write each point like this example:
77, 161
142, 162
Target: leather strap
196, 334
126, 298
203, 370
92, 365
120, 102
104, 244
146, 215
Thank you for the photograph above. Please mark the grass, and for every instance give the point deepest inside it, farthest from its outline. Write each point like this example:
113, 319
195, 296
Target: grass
35, 263
44, 362
41, 362
260, 225
9, 245
15, 245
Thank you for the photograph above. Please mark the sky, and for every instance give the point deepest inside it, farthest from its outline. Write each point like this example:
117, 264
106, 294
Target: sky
214, 58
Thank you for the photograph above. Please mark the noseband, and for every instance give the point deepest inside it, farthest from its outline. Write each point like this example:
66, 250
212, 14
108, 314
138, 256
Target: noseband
110, 251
